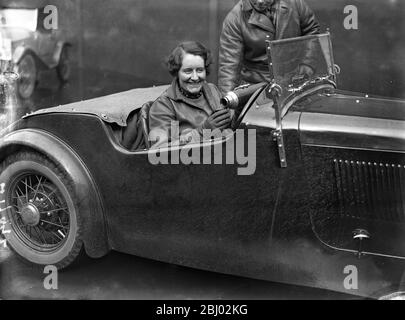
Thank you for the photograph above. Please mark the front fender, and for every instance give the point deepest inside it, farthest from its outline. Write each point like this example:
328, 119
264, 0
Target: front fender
95, 235
58, 50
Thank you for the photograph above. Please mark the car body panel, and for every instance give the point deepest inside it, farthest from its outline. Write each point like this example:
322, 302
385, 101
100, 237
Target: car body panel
352, 132
214, 220
357, 189
353, 104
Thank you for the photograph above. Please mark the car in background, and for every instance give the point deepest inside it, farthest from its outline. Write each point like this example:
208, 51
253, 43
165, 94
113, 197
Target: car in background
32, 47
324, 206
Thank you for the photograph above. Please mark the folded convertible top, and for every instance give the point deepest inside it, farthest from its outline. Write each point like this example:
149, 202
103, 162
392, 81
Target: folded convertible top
112, 108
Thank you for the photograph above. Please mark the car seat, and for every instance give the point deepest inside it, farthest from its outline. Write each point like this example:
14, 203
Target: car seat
145, 122
135, 136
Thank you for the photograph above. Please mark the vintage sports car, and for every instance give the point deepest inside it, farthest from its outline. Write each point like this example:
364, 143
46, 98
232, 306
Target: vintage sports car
323, 207
33, 46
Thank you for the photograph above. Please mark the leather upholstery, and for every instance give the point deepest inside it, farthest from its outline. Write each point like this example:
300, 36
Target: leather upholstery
136, 133
145, 122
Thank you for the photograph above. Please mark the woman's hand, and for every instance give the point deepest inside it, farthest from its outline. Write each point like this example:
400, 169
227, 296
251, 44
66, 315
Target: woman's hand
219, 119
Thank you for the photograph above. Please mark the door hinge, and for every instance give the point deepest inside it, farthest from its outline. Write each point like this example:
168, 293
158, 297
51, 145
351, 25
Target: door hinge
275, 91
278, 137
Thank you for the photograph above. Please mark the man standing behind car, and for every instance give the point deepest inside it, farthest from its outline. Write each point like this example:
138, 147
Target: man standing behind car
242, 54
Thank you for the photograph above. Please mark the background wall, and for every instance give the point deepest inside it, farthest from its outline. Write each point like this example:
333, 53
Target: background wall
131, 37
372, 58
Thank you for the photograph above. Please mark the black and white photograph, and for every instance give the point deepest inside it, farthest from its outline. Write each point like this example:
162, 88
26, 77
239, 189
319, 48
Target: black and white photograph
214, 151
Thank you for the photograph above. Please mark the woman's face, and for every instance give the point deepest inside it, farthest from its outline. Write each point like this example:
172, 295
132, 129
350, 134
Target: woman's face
262, 5
192, 73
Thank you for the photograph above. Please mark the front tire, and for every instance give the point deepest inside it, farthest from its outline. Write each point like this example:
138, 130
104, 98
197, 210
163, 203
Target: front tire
42, 212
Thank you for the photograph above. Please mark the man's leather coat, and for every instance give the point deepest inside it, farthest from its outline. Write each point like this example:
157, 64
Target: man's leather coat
242, 55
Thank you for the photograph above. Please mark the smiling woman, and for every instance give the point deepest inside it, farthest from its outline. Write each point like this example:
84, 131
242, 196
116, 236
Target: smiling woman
190, 103
191, 75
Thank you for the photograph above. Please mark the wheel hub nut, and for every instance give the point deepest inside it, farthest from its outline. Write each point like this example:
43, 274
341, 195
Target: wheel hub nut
30, 215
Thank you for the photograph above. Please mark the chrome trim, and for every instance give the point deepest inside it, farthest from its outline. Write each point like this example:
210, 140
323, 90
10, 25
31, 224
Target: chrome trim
286, 107
352, 132
277, 134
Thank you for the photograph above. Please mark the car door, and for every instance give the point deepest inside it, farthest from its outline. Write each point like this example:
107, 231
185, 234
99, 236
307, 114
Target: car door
213, 200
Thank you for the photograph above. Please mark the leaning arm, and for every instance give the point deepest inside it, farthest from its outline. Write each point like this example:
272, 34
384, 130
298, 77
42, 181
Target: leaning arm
230, 53
308, 21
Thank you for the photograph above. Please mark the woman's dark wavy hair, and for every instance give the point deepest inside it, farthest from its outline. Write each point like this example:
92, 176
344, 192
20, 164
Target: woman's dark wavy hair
173, 61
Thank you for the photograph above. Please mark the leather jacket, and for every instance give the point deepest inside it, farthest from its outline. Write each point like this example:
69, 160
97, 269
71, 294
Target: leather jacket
242, 53
173, 107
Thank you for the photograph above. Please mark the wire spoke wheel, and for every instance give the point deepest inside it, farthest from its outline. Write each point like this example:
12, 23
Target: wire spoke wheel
42, 210
40, 213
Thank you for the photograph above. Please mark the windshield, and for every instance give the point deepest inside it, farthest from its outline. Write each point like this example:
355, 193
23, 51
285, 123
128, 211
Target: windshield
19, 18
299, 63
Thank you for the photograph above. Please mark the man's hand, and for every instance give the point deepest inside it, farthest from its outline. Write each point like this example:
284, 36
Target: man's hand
219, 119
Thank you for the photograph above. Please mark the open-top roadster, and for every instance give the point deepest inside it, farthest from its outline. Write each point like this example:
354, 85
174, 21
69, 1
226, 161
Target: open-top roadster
323, 205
